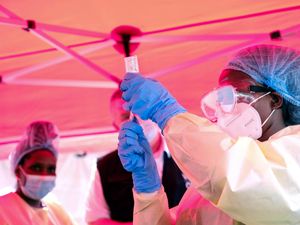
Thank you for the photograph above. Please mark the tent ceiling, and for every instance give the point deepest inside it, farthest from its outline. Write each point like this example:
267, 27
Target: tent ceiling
194, 55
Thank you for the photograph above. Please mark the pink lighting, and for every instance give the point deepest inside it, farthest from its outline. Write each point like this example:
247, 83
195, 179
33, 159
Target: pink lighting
192, 27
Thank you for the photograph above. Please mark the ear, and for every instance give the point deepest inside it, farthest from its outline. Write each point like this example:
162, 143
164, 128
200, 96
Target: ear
277, 100
17, 172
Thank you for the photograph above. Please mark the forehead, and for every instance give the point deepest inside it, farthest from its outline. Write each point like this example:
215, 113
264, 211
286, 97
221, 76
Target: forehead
42, 156
236, 78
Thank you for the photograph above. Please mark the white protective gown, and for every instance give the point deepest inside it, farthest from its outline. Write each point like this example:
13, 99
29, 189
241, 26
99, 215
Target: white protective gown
257, 183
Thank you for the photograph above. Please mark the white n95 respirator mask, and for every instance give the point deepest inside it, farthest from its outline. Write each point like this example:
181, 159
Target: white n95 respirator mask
245, 121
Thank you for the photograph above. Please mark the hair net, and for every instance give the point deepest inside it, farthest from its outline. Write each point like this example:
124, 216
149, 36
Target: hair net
276, 67
38, 135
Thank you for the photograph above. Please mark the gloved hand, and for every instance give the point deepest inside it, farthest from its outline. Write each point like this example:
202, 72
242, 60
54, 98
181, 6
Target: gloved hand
136, 156
149, 99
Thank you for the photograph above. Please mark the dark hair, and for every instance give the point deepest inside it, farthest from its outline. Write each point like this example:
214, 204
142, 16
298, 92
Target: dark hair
290, 113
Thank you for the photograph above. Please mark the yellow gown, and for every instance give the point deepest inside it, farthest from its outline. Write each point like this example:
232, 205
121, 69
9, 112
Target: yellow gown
15, 211
257, 183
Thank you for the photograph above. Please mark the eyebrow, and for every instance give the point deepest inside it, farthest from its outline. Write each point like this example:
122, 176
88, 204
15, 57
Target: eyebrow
42, 164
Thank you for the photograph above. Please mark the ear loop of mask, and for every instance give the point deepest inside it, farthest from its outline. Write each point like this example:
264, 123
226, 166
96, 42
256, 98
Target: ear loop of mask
260, 97
266, 120
23, 172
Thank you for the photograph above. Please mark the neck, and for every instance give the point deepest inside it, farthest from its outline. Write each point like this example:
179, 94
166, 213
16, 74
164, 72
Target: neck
275, 125
32, 202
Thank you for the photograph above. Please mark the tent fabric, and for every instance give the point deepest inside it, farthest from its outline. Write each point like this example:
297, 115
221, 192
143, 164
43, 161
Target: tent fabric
179, 39
58, 62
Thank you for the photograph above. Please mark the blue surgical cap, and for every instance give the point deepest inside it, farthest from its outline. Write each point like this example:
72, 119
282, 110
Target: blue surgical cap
275, 67
38, 135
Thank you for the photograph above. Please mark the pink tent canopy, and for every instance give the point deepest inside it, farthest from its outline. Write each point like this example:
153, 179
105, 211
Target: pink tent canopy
58, 61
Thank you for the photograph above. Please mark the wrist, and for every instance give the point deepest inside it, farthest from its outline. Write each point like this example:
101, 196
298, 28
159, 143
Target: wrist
166, 112
146, 182
148, 190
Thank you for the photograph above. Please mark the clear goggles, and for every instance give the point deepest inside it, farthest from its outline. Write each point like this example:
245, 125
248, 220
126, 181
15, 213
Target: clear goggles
224, 99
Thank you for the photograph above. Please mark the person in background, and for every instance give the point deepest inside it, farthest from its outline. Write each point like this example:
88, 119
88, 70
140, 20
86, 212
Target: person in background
34, 163
110, 199
243, 157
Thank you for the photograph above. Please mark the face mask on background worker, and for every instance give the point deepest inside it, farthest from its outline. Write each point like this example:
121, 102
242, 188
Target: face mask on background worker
36, 186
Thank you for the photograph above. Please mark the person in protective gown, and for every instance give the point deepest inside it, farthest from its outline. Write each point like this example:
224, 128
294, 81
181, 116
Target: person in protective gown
33, 162
244, 157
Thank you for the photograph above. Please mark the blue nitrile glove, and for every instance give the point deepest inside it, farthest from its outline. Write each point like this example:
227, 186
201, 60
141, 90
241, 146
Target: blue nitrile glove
149, 99
136, 156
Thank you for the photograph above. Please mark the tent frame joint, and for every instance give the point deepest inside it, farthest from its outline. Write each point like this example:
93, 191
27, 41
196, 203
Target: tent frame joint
276, 35
31, 25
